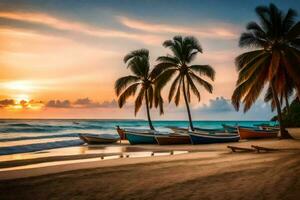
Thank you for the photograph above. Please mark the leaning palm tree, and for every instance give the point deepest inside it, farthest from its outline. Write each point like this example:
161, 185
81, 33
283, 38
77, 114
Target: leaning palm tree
187, 75
276, 42
142, 81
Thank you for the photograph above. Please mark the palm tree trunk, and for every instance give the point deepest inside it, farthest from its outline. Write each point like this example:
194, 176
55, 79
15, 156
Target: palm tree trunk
287, 104
187, 105
148, 110
283, 133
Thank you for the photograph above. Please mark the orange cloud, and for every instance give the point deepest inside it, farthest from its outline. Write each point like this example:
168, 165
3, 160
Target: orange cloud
62, 24
216, 30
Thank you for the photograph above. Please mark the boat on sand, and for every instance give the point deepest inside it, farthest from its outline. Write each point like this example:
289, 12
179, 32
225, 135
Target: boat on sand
198, 137
246, 133
98, 139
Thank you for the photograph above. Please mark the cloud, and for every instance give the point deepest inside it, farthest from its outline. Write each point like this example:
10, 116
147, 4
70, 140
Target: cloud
58, 104
35, 18
11, 104
6, 102
220, 104
215, 30
81, 103
87, 103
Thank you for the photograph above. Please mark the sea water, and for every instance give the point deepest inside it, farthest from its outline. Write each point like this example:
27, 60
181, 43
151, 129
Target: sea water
21, 136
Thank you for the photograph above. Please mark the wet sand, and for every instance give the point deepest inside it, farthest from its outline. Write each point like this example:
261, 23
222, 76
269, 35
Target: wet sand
208, 172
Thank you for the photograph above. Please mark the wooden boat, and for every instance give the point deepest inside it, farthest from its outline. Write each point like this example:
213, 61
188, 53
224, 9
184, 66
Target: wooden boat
210, 130
178, 130
200, 138
121, 133
135, 137
97, 139
246, 133
173, 139
294, 132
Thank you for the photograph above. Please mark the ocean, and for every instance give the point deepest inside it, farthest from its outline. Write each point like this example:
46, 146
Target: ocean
21, 136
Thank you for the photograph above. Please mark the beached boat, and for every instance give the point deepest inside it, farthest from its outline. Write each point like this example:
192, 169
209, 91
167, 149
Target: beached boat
135, 137
246, 133
173, 139
206, 138
178, 130
97, 139
294, 132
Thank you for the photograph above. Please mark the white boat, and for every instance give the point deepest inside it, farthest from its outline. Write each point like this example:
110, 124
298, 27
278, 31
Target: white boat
294, 132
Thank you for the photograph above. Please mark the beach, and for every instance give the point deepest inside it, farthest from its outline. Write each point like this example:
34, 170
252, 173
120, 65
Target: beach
198, 172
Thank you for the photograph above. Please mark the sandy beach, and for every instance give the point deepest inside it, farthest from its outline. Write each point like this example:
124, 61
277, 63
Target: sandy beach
206, 172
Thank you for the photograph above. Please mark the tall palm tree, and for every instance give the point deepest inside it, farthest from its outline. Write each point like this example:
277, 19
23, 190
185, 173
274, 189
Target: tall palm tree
187, 75
277, 43
142, 80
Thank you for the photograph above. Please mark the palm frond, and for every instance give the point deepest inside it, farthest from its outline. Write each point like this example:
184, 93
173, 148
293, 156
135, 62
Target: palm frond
177, 96
123, 82
139, 66
136, 53
245, 58
164, 78
193, 87
205, 70
159, 68
202, 82
130, 91
139, 100
249, 39
173, 87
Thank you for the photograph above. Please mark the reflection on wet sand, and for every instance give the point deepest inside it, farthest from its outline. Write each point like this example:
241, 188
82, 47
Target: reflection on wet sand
108, 156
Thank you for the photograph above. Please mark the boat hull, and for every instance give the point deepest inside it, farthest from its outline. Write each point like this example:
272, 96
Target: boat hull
294, 132
173, 139
97, 139
197, 138
256, 134
140, 138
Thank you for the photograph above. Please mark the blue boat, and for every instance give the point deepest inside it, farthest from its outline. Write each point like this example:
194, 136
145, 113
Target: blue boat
210, 130
140, 138
200, 138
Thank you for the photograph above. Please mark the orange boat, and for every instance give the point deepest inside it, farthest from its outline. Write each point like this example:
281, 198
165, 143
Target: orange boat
246, 133
121, 133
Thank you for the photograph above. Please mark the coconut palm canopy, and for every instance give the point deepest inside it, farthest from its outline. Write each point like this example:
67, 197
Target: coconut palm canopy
275, 60
141, 82
186, 75
276, 40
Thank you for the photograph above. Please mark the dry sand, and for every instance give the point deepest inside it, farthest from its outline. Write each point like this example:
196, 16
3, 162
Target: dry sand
209, 172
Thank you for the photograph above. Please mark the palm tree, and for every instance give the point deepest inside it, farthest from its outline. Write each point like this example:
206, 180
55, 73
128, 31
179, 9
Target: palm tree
276, 42
184, 51
142, 80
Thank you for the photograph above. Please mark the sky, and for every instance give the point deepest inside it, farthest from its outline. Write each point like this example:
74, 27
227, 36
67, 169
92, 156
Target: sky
60, 59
